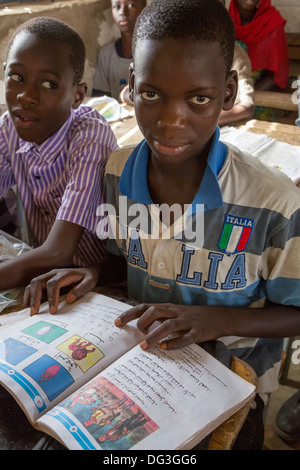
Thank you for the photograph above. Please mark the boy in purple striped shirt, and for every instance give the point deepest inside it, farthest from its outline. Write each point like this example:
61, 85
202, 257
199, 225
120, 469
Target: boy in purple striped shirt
53, 149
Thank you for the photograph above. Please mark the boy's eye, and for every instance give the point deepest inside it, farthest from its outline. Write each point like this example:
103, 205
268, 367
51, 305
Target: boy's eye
200, 100
149, 96
15, 77
49, 85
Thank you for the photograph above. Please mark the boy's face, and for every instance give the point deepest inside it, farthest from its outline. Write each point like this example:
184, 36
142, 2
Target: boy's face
180, 88
248, 4
125, 13
39, 87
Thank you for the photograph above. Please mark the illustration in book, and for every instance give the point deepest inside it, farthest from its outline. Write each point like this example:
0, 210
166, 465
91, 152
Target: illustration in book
112, 418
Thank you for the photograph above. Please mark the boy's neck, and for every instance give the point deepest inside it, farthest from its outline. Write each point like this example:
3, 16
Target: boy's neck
175, 184
126, 40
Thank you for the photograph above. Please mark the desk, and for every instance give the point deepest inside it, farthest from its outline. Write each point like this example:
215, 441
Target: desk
283, 132
223, 436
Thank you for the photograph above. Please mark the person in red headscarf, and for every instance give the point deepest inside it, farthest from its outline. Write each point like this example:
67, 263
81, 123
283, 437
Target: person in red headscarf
260, 27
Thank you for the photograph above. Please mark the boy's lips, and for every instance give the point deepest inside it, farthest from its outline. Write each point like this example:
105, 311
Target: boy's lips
24, 119
169, 149
123, 22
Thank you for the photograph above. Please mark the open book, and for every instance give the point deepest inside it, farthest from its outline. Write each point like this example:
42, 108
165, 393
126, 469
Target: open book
88, 384
271, 152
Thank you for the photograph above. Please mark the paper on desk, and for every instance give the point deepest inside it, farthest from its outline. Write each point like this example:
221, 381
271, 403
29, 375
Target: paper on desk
271, 152
109, 108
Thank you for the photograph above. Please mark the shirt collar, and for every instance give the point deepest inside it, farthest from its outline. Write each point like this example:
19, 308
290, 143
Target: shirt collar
52, 145
133, 181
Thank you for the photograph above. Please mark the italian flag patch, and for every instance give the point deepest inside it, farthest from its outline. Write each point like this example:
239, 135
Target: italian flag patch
235, 234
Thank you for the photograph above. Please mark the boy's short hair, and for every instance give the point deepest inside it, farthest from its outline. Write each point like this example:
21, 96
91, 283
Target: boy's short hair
52, 28
200, 20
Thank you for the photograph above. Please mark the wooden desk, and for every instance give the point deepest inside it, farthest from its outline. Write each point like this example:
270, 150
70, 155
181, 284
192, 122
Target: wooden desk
223, 437
283, 132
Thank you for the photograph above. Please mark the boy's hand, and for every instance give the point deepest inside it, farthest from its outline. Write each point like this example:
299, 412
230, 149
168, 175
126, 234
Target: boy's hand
84, 278
189, 324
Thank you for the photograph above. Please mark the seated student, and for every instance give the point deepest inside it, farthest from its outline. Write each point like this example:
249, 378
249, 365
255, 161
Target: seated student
240, 281
114, 58
244, 106
261, 28
52, 149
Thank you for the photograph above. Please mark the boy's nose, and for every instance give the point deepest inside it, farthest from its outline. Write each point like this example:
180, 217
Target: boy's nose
172, 117
29, 95
124, 10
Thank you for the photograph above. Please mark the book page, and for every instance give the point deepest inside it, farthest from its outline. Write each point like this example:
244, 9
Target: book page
150, 400
271, 152
46, 357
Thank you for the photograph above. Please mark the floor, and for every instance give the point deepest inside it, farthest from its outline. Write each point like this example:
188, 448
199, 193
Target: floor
272, 440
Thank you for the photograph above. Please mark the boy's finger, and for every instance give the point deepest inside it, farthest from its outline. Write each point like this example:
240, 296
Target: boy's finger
33, 295
159, 333
131, 314
56, 283
156, 312
86, 285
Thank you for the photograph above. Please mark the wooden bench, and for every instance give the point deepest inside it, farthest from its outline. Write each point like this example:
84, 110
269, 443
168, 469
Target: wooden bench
283, 100
275, 99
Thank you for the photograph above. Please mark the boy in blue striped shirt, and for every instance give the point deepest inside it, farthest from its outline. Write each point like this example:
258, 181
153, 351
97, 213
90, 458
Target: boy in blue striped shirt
240, 281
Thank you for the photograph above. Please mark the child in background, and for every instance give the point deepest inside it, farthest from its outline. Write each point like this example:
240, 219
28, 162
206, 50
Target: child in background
114, 59
240, 282
52, 149
244, 105
260, 27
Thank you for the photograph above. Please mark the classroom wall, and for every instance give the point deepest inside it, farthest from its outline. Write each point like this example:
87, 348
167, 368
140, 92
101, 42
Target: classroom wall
290, 10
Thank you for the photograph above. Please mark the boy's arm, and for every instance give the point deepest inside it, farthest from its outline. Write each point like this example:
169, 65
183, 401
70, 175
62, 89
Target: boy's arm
195, 324
56, 251
111, 269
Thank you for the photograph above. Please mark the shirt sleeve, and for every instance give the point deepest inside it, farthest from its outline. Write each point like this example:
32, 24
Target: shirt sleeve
283, 281
242, 65
93, 142
6, 176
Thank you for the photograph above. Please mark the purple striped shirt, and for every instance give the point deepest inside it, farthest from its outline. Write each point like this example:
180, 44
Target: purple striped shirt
60, 179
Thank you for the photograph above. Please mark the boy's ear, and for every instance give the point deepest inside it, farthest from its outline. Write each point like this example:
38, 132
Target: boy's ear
79, 95
231, 90
131, 82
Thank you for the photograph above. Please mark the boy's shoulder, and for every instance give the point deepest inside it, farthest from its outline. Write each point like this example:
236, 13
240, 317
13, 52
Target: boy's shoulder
108, 49
257, 184
87, 118
5, 119
7, 129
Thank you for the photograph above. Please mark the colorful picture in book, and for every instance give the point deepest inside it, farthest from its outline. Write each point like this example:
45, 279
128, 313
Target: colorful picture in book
14, 351
113, 419
44, 331
51, 376
82, 351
